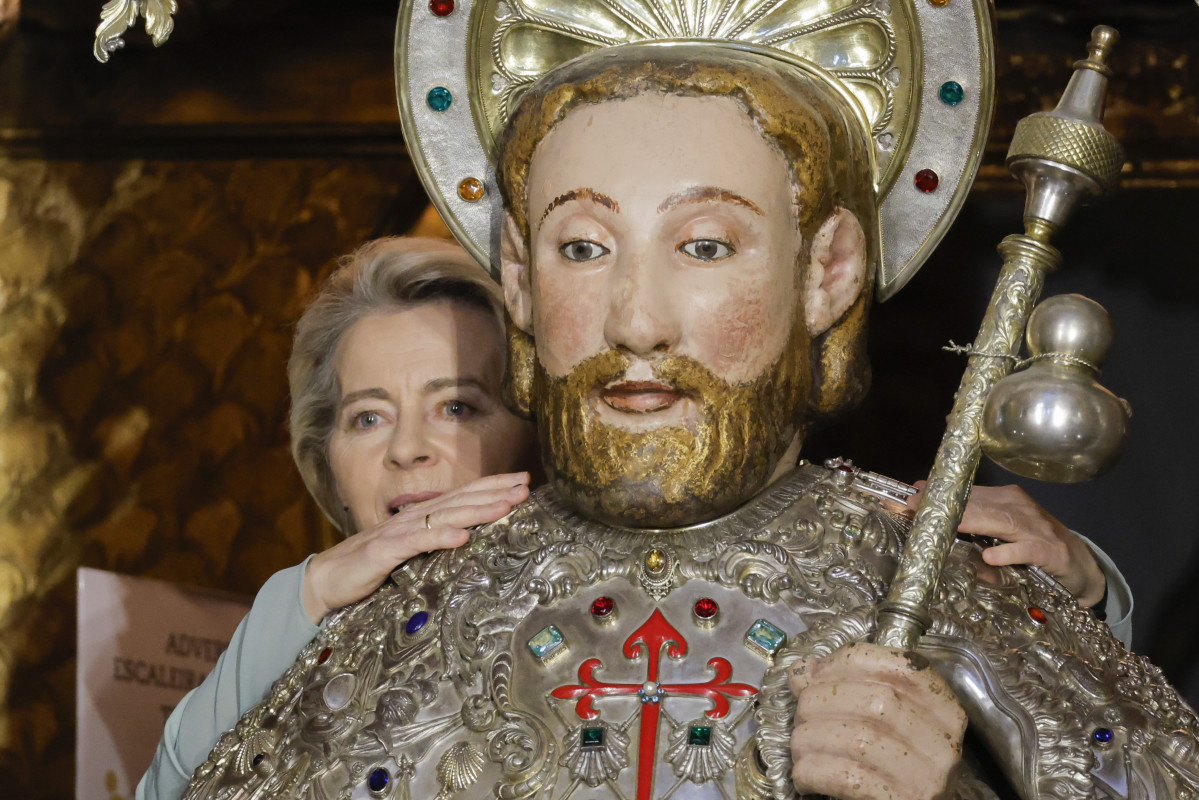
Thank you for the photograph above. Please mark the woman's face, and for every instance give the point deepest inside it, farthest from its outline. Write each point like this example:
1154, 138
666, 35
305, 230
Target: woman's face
420, 411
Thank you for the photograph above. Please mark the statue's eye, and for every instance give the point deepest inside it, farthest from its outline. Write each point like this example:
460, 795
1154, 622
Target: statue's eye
707, 249
583, 250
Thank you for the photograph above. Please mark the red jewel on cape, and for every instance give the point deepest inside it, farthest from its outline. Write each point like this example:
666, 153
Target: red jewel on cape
706, 608
1037, 615
602, 607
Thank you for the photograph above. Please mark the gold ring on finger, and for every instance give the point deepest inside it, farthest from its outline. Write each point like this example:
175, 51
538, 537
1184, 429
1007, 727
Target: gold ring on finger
427, 525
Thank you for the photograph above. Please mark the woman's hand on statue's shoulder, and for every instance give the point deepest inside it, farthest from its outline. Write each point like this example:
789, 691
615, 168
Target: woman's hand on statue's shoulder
356, 566
1030, 535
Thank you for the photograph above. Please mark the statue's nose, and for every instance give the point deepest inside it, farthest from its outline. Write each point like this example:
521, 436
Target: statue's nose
641, 314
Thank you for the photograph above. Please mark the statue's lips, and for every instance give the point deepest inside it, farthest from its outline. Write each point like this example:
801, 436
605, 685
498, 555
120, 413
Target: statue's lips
640, 397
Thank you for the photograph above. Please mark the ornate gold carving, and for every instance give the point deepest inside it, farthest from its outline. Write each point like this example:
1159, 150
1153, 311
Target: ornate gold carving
865, 43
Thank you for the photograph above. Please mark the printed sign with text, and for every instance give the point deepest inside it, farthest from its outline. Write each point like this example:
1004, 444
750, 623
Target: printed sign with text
143, 644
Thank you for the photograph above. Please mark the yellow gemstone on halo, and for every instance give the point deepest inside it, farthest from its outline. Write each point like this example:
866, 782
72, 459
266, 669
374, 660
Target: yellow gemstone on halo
655, 561
471, 189
938, 3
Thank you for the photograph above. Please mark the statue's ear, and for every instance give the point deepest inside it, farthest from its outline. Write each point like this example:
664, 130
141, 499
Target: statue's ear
515, 274
836, 271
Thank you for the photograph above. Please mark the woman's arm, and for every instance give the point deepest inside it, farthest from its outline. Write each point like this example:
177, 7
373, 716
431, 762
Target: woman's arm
265, 643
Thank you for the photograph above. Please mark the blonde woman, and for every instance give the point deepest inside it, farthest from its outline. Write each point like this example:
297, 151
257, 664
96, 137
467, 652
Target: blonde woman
401, 437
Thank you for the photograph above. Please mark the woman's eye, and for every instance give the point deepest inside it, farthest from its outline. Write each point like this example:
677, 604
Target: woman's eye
582, 250
707, 249
366, 419
458, 409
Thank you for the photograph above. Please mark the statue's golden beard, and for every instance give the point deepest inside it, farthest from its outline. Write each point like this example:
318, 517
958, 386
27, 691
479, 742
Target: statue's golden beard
668, 476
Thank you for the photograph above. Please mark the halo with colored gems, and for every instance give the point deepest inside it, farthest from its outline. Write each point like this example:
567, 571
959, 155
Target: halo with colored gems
894, 57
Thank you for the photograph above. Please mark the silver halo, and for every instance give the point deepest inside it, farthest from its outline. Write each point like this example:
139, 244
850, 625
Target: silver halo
897, 86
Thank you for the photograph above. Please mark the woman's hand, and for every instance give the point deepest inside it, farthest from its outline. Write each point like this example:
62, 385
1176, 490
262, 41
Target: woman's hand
355, 567
1031, 535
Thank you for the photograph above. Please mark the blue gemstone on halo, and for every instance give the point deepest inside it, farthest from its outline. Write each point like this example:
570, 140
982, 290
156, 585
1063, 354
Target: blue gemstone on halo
257, 760
439, 98
378, 779
1103, 735
416, 622
951, 93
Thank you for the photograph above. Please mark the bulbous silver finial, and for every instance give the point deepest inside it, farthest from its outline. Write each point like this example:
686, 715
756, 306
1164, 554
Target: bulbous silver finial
1053, 421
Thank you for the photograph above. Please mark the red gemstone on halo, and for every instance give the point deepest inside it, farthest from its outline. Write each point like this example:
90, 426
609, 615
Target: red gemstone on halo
927, 181
1037, 615
706, 608
441, 8
324, 656
602, 607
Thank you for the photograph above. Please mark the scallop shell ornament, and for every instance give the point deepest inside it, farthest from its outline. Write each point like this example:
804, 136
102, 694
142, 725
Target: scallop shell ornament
458, 769
255, 753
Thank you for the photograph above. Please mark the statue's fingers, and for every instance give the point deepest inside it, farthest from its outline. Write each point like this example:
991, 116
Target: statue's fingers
905, 670
862, 661
849, 760
843, 778
906, 716
799, 675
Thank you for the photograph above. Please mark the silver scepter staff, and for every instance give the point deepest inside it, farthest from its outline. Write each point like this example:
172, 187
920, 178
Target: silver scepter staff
1063, 157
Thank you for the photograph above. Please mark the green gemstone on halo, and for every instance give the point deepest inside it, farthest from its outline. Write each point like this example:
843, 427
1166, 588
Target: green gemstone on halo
952, 93
439, 98
547, 642
591, 737
764, 638
699, 736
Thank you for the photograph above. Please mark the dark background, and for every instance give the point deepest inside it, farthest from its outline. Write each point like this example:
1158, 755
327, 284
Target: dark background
180, 204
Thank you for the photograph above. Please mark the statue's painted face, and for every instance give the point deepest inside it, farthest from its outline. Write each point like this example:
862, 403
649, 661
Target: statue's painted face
669, 316
661, 225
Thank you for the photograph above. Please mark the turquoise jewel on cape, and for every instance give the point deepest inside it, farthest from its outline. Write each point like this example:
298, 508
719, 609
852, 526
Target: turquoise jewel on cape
764, 638
547, 643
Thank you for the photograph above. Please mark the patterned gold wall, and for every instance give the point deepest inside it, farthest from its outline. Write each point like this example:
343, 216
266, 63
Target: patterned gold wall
145, 321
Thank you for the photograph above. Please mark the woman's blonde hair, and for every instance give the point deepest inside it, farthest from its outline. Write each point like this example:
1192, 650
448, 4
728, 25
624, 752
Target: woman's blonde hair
381, 276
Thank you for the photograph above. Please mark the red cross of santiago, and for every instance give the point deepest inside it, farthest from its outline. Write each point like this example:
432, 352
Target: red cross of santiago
650, 639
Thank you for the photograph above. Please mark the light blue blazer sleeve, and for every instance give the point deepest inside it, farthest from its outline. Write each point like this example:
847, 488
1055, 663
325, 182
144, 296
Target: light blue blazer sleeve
1119, 594
265, 644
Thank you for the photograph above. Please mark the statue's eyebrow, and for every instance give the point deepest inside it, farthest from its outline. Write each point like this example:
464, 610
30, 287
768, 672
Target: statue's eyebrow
581, 194
704, 194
